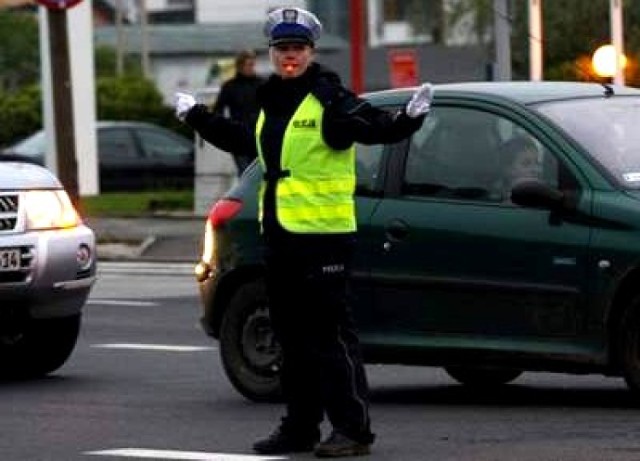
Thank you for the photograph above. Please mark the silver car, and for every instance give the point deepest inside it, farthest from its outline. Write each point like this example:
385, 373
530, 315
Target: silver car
47, 269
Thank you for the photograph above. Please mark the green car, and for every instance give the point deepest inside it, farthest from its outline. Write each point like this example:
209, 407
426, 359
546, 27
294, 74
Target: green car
503, 237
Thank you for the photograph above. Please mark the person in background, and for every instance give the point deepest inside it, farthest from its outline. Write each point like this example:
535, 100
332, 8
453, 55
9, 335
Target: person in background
304, 138
237, 100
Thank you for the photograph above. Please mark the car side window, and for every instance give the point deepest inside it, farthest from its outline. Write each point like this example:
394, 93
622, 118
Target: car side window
468, 154
116, 144
158, 144
523, 157
368, 164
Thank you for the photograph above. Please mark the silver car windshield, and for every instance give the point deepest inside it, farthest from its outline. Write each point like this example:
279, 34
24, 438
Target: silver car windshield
608, 129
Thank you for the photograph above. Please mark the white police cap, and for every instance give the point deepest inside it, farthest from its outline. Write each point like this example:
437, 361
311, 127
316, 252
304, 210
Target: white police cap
292, 25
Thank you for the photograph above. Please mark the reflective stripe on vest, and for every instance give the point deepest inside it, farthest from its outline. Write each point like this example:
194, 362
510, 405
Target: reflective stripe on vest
317, 195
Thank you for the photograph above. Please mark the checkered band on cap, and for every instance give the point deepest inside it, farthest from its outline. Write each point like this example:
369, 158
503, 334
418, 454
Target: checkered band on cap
286, 25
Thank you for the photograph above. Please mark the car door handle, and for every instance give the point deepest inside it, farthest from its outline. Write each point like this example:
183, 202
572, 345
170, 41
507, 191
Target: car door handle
396, 230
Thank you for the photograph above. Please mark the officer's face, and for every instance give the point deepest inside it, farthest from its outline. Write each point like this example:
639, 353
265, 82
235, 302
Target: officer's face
290, 60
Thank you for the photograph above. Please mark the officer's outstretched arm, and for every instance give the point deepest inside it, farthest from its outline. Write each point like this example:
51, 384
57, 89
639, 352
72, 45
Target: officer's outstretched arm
354, 119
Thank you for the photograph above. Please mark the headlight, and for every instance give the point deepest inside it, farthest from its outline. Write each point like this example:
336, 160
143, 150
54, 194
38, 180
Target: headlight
208, 247
203, 268
49, 209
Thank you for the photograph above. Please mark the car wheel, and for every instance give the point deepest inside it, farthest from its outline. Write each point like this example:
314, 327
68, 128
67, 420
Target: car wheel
39, 347
629, 345
482, 377
250, 354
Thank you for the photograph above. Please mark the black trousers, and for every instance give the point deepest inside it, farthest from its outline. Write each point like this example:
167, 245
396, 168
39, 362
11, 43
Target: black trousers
322, 371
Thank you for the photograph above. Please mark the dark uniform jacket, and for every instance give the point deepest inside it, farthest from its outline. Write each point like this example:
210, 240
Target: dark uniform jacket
347, 119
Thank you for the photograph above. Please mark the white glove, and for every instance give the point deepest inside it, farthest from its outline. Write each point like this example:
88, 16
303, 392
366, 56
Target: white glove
184, 103
420, 101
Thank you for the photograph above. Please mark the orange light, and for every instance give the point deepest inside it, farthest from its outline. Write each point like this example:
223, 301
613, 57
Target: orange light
604, 61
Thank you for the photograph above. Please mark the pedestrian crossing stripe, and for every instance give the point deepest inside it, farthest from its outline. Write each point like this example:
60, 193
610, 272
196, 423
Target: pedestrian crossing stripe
144, 453
122, 302
153, 347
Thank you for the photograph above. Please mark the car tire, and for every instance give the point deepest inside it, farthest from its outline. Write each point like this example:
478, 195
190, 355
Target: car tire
481, 376
39, 347
629, 345
250, 354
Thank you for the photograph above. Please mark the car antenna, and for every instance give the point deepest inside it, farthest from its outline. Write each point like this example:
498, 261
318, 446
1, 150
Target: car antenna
608, 90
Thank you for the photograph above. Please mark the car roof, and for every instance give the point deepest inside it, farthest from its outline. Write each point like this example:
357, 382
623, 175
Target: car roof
124, 123
523, 92
138, 124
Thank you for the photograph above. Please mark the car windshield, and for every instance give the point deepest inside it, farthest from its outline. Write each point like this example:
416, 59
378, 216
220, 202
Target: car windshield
33, 145
608, 129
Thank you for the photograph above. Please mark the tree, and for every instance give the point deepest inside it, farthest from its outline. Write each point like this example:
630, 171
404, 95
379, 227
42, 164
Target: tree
105, 62
20, 113
19, 50
427, 17
480, 10
573, 29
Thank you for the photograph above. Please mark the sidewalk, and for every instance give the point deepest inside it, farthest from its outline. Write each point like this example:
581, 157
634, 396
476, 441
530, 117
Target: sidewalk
149, 238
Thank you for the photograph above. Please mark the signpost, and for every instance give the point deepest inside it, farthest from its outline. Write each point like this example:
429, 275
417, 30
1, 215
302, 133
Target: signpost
67, 168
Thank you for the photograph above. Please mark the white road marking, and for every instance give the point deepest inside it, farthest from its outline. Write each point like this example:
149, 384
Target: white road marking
143, 267
179, 455
153, 347
122, 302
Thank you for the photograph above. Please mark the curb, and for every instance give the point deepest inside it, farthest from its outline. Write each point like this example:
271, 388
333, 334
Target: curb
123, 251
146, 243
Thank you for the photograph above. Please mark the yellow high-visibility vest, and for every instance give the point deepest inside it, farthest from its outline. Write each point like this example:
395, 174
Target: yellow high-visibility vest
315, 192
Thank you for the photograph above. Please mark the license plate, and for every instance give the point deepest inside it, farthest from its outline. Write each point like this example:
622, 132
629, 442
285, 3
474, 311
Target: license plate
9, 259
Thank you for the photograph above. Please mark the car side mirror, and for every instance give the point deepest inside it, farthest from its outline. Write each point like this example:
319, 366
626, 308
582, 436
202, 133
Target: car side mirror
533, 193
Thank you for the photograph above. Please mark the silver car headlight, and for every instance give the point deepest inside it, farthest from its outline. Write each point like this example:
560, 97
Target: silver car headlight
49, 209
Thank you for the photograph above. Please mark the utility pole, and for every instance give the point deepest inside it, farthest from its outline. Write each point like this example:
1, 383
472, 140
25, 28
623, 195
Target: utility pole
535, 40
68, 94
67, 167
502, 39
120, 39
144, 39
617, 38
356, 22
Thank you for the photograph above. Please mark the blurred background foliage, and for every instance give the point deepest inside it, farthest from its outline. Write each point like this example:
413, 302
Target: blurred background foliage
128, 97
573, 29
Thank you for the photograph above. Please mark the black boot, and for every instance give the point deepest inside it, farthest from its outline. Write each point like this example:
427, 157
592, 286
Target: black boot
282, 441
338, 445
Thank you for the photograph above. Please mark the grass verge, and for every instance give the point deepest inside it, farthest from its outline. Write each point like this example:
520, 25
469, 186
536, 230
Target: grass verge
128, 204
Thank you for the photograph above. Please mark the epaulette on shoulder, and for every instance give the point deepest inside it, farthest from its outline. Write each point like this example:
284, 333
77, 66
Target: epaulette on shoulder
328, 92
337, 98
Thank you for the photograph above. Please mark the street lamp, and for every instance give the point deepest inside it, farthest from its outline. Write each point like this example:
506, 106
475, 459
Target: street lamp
604, 61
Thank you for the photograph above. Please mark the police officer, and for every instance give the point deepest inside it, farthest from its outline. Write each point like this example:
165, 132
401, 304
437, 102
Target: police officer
304, 138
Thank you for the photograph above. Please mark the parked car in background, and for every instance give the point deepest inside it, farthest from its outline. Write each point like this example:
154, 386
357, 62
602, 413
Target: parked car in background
502, 237
47, 269
131, 156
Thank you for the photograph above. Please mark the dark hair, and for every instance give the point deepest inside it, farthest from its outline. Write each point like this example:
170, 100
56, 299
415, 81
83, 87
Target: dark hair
515, 146
244, 56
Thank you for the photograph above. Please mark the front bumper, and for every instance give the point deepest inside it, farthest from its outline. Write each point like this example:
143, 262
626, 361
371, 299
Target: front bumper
57, 271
